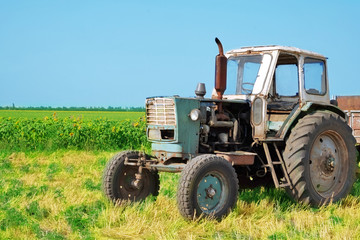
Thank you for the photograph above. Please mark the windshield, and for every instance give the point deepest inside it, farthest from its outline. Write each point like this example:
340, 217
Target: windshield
242, 72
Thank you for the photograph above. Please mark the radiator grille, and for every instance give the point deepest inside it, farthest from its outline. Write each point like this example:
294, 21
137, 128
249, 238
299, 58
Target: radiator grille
160, 111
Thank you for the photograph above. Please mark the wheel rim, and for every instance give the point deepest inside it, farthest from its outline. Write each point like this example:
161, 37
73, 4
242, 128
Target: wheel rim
126, 179
211, 192
328, 157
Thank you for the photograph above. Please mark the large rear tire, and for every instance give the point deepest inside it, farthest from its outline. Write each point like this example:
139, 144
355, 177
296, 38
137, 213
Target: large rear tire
208, 187
118, 180
320, 159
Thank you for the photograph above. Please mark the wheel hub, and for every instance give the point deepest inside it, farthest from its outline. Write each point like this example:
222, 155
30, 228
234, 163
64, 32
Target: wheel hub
130, 183
209, 193
136, 184
327, 162
330, 164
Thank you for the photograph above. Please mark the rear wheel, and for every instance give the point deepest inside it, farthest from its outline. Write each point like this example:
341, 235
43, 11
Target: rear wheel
320, 159
118, 180
208, 187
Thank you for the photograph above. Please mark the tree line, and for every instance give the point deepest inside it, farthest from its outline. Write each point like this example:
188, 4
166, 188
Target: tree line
49, 108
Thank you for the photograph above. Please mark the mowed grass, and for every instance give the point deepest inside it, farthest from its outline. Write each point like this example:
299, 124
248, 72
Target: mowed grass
86, 115
57, 195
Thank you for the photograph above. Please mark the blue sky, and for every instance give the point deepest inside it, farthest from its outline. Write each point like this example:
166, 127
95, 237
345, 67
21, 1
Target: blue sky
116, 53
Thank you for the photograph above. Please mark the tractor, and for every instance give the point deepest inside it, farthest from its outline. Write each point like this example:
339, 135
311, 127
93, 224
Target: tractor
273, 124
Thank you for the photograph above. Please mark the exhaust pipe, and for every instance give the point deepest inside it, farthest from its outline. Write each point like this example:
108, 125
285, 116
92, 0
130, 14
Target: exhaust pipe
220, 71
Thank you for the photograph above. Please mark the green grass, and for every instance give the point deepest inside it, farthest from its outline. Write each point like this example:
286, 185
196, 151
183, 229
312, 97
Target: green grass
87, 115
57, 195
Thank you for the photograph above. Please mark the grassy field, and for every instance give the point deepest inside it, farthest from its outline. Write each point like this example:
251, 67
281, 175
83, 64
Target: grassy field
86, 115
50, 190
57, 195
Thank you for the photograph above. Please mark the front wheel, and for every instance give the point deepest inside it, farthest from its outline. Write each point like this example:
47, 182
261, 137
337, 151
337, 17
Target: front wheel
208, 187
118, 180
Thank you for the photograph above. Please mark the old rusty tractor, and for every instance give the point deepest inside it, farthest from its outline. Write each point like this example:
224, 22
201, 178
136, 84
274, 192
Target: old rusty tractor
274, 121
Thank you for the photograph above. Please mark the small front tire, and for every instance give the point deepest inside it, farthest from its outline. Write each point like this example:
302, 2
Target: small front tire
118, 180
208, 187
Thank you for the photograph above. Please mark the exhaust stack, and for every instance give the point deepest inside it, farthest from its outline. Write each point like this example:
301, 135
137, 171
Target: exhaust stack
220, 71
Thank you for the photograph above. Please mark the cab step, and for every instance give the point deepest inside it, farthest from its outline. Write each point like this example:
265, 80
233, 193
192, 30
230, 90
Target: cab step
270, 164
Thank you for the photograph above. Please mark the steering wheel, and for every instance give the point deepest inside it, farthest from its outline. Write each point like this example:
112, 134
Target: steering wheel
246, 90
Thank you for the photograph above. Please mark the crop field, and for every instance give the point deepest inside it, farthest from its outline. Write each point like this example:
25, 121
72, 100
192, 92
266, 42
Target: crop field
85, 115
50, 188
31, 131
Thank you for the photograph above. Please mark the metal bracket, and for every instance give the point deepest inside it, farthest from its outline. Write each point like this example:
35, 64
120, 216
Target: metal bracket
272, 169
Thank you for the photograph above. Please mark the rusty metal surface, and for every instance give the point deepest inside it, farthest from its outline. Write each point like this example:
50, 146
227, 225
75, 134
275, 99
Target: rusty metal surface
238, 157
165, 155
160, 111
259, 128
175, 167
351, 105
270, 164
261, 49
220, 71
354, 123
327, 166
347, 103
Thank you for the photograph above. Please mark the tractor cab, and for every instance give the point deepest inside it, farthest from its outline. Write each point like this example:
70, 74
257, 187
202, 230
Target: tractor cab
278, 81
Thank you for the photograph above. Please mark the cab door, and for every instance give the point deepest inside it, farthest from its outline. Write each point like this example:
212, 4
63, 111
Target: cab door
284, 94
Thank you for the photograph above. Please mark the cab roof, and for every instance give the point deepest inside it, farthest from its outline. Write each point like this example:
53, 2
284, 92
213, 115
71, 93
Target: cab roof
255, 49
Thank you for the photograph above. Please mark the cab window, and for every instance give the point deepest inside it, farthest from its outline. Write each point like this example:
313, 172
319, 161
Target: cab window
314, 76
286, 77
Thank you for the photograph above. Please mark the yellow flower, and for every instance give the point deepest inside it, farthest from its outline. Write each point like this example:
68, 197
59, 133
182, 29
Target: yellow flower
71, 134
113, 129
46, 118
136, 124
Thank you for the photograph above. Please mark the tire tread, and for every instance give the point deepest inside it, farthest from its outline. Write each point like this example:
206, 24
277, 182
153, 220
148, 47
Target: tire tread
298, 144
184, 197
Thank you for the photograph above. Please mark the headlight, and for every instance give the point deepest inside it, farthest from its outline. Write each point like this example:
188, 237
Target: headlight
195, 114
154, 134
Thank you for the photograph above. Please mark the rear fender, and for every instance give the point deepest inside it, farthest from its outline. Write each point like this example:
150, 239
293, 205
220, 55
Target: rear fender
301, 111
